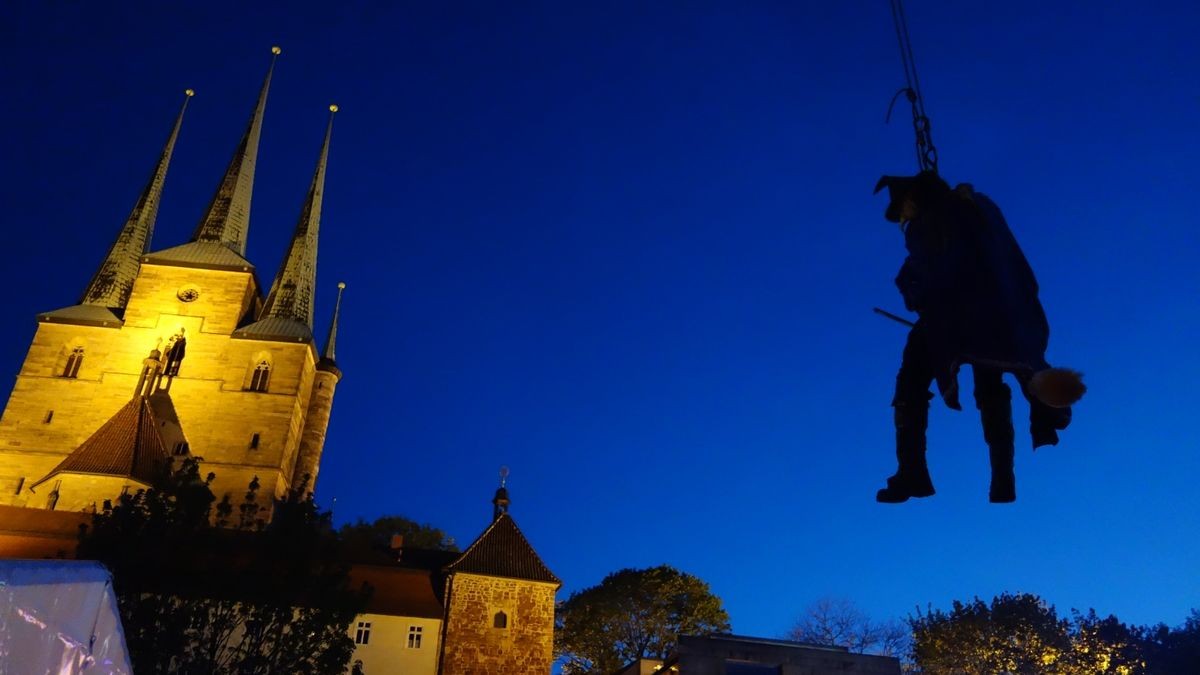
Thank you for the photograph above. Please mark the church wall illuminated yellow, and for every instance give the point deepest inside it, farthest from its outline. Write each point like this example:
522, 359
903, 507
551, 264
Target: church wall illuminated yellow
176, 352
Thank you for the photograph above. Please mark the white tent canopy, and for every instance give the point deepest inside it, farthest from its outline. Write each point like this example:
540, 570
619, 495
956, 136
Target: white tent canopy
60, 617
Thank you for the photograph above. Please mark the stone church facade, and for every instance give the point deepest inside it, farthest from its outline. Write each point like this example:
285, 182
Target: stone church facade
174, 353
486, 611
181, 352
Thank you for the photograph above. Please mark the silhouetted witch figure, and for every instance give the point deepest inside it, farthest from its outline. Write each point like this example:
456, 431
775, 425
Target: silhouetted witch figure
175, 353
976, 299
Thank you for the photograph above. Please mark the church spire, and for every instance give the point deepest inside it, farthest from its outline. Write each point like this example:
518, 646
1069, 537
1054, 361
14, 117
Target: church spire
227, 220
113, 282
330, 344
500, 501
291, 295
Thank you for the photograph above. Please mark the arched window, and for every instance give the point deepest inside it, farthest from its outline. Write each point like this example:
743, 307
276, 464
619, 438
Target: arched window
500, 620
261, 376
74, 360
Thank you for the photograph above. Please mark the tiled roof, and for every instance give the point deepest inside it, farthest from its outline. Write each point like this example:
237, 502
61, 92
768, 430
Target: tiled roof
276, 328
227, 219
113, 282
205, 254
128, 444
398, 591
292, 293
93, 315
503, 551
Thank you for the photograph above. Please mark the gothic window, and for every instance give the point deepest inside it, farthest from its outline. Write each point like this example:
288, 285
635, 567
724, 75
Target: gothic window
261, 376
363, 635
49, 417
254, 442
500, 620
414, 637
74, 360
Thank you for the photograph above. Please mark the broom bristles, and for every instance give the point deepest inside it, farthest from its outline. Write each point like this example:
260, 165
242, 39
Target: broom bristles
1058, 387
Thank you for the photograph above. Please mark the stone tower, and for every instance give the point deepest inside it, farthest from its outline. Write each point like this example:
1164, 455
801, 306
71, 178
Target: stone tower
320, 405
239, 379
499, 601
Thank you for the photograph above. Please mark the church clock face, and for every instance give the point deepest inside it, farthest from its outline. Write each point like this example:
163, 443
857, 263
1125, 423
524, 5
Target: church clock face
188, 294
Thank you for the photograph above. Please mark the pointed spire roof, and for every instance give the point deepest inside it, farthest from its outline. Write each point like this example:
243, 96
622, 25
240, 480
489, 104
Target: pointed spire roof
111, 285
128, 444
227, 219
501, 502
328, 357
503, 551
288, 310
291, 295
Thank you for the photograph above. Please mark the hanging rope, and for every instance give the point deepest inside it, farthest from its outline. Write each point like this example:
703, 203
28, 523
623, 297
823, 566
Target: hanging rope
926, 152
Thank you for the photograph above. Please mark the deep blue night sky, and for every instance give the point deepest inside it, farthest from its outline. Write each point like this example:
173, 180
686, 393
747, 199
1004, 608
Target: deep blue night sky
630, 250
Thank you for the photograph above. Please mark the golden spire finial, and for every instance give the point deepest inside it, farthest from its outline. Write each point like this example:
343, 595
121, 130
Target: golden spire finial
276, 51
189, 92
341, 285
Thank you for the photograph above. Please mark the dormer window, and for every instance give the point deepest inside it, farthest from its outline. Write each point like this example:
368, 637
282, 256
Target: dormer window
261, 377
74, 360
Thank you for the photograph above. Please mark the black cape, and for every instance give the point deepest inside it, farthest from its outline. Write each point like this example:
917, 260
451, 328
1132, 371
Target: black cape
975, 292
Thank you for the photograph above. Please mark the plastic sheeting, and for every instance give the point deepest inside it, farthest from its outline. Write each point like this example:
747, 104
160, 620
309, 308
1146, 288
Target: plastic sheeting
59, 617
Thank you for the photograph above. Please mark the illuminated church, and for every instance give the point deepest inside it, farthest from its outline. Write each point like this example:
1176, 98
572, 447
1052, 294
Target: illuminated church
180, 352
176, 352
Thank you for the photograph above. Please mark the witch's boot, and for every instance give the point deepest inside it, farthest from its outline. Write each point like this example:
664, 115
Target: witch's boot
996, 415
912, 476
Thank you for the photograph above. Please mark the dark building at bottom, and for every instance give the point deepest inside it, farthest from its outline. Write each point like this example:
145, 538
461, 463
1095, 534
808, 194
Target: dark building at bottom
739, 655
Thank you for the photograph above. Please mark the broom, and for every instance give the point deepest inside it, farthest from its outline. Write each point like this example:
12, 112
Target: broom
1056, 387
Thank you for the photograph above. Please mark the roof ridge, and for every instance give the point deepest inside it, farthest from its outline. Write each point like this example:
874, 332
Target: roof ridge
478, 539
514, 559
118, 447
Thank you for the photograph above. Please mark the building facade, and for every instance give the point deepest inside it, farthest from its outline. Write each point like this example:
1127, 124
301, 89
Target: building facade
486, 611
177, 353
742, 655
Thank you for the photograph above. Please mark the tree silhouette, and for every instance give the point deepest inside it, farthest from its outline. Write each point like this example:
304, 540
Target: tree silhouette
839, 622
633, 614
1021, 633
260, 598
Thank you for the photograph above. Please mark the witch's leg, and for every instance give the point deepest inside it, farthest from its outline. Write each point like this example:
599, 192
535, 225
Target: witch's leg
911, 404
994, 400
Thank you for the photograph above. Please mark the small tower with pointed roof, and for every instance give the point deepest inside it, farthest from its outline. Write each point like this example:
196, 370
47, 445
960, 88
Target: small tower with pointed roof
499, 601
320, 406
